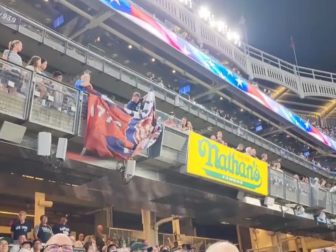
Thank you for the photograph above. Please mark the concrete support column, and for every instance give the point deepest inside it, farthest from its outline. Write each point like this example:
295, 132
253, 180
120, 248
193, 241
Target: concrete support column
148, 222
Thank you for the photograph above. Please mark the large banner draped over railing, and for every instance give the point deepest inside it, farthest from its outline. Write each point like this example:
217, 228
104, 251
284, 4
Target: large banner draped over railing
114, 131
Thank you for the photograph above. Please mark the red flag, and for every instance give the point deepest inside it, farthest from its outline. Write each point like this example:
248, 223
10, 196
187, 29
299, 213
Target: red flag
114, 132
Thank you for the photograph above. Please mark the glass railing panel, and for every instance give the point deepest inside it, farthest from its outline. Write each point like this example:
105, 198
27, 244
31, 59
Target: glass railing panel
83, 114
329, 203
15, 84
54, 105
276, 184
304, 193
322, 199
291, 188
333, 197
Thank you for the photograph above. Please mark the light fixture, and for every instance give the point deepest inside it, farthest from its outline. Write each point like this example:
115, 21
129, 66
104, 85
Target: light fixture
153, 60
130, 47
204, 13
173, 71
241, 110
221, 98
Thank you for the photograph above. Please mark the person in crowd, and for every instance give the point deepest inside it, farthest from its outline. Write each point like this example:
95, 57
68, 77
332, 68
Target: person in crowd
296, 177
276, 165
62, 227
17, 244
81, 238
43, 67
112, 248
171, 121
26, 245
213, 137
240, 147
59, 241
20, 227
37, 246
253, 152
90, 247
219, 137
43, 231
73, 240
134, 103
34, 64
333, 189
189, 126
57, 76
12, 53
4, 247
248, 151
12, 75
183, 124
100, 237
264, 157
224, 246
84, 83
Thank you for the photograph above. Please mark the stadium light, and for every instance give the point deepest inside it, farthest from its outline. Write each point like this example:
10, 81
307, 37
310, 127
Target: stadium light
204, 13
187, 3
221, 26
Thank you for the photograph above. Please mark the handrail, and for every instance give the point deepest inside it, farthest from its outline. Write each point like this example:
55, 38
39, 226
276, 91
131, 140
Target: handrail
251, 137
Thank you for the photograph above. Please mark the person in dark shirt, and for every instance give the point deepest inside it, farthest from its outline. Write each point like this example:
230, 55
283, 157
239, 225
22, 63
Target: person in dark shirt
43, 231
62, 227
20, 227
134, 103
100, 237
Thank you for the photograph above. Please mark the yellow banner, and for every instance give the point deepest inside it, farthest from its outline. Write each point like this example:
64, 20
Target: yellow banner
215, 162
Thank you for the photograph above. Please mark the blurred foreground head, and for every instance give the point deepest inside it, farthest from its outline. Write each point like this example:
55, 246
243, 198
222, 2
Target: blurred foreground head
222, 247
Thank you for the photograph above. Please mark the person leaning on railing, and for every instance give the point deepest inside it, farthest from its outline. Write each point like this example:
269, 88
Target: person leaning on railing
12, 75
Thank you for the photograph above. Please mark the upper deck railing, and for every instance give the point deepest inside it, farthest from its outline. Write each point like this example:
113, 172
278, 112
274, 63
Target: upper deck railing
254, 62
73, 50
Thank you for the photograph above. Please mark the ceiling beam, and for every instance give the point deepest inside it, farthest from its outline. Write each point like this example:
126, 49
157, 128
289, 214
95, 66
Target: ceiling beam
327, 109
93, 23
280, 91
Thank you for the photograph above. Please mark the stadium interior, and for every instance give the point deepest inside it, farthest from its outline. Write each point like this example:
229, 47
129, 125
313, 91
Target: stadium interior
75, 35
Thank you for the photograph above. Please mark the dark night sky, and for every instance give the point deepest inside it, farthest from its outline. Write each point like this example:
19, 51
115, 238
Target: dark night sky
270, 23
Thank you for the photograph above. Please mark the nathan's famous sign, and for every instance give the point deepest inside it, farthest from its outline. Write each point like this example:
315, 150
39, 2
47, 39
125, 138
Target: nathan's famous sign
215, 162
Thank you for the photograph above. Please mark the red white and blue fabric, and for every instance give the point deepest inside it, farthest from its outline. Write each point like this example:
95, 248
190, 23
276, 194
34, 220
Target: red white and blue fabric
114, 131
150, 24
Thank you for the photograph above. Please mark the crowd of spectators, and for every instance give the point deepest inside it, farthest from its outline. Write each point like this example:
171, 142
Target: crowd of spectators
45, 237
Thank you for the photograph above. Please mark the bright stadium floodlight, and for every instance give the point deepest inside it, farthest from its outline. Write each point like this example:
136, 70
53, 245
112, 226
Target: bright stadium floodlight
204, 13
187, 3
221, 26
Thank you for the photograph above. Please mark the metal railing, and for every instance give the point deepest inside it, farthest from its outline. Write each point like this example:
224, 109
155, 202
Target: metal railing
54, 105
286, 187
15, 83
